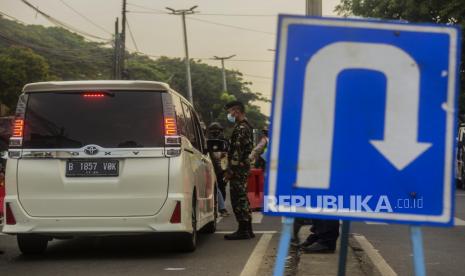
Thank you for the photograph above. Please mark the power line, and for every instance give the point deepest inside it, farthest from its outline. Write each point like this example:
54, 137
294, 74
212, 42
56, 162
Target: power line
155, 55
211, 14
63, 54
132, 35
251, 60
148, 8
258, 77
62, 24
85, 17
230, 26
158, 11
238, 14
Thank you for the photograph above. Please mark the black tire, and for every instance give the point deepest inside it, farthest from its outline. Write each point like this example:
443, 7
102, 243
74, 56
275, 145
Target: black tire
30, 244
188, 241
210, 228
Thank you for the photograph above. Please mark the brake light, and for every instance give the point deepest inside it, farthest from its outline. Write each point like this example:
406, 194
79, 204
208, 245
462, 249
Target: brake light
93, 95
18, 128
176, 216
170, 126
9, 217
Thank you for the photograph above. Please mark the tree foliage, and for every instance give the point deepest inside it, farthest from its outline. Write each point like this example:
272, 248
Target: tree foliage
56, 54
19, 66
436, 11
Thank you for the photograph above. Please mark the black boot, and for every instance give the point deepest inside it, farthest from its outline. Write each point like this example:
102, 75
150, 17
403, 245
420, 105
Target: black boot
250, 230
240, 234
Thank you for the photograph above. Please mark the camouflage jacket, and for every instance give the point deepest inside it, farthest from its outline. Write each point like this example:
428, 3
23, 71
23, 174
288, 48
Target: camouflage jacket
241, 145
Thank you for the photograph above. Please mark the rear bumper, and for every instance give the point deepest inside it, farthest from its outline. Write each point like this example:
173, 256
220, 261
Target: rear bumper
82, 226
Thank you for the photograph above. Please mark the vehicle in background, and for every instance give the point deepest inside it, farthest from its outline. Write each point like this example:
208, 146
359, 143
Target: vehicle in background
92, 158
5, 133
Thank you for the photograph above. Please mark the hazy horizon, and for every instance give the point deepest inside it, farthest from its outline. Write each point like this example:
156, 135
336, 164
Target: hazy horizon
207, 35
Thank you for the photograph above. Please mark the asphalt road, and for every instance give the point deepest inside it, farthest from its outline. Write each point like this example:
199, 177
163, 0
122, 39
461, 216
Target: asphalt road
154, 255
444, 247
142, 255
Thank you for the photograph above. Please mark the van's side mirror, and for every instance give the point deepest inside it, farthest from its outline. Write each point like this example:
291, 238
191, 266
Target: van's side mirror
217, 145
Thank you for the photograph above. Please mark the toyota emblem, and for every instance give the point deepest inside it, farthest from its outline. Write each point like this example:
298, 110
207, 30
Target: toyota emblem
91, 150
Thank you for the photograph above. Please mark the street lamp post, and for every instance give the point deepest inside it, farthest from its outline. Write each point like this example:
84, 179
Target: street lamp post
225, 86
186, 48
313, 7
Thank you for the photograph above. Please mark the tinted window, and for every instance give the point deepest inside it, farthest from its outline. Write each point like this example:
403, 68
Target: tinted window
190, 132
114, 120
198, 131
180, 118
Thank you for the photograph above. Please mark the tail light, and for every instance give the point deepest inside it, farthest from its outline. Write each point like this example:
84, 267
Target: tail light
9, 217
18, 128
171, 128
176, 216
93, 95
17, 133
18, 124
172, 138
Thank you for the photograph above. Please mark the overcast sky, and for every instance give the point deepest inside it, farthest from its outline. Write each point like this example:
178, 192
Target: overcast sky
160, 34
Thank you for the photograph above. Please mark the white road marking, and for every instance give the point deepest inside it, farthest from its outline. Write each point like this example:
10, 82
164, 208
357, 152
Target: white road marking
459, 222
175, 268
256, 232
252, 265
376, 223
378, 261
257, 217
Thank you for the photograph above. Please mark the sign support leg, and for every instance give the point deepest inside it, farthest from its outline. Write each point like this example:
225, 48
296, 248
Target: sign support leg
283, 246
417, 246
341, 271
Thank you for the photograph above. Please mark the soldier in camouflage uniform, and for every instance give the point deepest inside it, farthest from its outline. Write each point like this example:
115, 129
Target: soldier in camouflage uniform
241, 145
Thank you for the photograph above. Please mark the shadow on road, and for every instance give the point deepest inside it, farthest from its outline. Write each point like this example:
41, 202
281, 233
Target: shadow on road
117, 247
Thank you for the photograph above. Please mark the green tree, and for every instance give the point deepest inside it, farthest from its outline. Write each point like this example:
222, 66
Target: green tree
70, 57
19, 66
207, 87
436, 11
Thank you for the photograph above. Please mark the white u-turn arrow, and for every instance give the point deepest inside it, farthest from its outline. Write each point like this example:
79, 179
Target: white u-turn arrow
400, 145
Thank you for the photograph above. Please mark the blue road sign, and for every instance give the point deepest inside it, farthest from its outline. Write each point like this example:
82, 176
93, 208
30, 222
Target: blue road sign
363, 121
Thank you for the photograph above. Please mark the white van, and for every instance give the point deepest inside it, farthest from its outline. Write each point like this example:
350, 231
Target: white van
107, 158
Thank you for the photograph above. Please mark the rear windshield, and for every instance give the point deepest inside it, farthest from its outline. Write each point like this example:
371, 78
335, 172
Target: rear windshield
120, 119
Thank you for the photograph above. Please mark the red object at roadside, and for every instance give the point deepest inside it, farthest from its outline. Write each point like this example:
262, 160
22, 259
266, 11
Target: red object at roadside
255, 184
2, 194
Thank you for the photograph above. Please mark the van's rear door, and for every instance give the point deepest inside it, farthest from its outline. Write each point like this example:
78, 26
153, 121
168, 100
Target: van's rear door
93, 153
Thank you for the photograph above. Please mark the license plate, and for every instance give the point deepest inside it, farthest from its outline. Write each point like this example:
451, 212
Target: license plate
76, 168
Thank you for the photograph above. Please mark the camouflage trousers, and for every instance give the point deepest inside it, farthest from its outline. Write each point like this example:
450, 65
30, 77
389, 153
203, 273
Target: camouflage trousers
238, 191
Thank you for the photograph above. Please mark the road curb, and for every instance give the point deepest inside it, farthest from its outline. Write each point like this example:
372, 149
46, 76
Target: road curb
371, 262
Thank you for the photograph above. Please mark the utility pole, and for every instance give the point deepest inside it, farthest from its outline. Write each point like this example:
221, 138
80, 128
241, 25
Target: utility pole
186, 48
313, 7
225, 86
117, 50
123, 40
